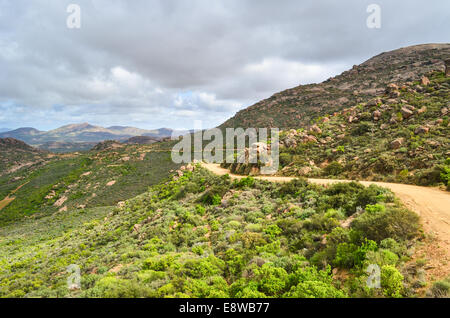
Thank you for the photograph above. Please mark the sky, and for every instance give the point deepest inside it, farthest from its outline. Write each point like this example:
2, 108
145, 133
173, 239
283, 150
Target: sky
167, 63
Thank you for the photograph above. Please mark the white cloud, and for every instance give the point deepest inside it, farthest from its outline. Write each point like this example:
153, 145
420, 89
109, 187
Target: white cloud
132, 62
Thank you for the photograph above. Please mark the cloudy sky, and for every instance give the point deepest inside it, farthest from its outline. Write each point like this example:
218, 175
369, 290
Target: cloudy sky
166, 63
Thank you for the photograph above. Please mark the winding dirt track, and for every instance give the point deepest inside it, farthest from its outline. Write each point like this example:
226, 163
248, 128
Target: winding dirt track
431, 204
9, 198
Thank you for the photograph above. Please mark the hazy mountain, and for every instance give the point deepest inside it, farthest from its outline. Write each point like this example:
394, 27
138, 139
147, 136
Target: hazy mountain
80, 133
62, 147
4, 130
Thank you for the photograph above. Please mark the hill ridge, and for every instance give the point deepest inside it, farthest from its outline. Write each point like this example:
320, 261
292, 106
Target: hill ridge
297, 106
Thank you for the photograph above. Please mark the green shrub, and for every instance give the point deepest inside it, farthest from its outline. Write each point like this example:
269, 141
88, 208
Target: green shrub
315, 289
247, 182
397, 223
333, 169
292, 187
285, 158
440, 289
271, 280
391, 281
312, 283
361, 129
349, 255
346, 255
112, 287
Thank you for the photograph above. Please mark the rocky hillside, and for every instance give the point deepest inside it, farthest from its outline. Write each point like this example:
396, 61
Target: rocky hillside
402, 135
15, 154
296, 107
49, 183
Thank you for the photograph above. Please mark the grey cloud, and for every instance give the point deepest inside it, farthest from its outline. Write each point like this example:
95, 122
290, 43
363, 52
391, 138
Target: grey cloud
227, 54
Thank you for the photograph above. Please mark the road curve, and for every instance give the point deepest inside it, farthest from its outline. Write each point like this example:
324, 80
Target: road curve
431, 204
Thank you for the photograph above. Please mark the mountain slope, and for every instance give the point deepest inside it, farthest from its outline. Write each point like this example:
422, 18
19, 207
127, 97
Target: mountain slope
81, 133
296, 107
15, 154
400, 136
109, 173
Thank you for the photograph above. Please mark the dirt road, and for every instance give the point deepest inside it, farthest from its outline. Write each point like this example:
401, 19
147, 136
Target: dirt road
431, 204
9, 198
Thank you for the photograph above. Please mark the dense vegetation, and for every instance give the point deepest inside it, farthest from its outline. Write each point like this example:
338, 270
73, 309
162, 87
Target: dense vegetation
200, 235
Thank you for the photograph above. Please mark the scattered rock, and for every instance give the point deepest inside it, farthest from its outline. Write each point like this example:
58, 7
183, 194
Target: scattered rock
425, 81
60, 201
422, 110
111, 183
374, 102
116, 269
304, 171
376, 115
418, 88
309, 138
316, 129
397, 143
392, 90
137, 228
421, 130
406, 113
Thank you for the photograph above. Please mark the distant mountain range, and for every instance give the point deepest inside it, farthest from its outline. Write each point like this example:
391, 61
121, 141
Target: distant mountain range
4, 129
83, 133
